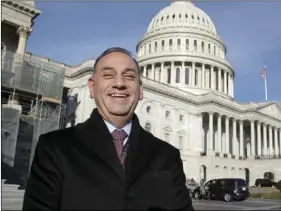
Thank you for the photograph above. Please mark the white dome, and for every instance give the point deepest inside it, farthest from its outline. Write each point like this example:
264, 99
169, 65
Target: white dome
182, 49
183, 14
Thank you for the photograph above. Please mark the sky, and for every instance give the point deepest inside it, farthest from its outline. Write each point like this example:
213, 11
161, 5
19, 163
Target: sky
72, 32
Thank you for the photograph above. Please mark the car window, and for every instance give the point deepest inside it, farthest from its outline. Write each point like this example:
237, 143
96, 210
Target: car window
222, 182
241, 182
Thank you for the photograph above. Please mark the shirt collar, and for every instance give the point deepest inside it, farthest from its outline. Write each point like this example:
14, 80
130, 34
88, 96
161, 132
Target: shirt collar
111, 127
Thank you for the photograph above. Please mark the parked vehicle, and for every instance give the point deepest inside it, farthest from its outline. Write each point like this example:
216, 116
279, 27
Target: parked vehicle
265, 183
226, 189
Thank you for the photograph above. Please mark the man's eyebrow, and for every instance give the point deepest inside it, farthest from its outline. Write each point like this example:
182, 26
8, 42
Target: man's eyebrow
107, 68
130, 70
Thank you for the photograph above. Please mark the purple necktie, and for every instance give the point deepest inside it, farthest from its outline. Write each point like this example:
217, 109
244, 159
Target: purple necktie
119, 136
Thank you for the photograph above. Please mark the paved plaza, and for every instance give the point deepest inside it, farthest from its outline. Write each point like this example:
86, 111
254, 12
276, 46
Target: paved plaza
249, 204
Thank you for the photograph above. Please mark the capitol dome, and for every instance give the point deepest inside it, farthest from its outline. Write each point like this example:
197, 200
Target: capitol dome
181, 48
182, 14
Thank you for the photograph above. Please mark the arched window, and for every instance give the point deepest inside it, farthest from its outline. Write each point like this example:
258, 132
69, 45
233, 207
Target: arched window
168, 75
202, 46
195, 45
155, 47
162, 45
148, 108
179, 44
178, 75
149, 48
209, 48
187, 44
171, 44
147, 127
186, 76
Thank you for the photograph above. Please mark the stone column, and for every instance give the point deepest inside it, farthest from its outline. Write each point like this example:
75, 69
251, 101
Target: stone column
224, 82
280, 141
259, 138
211, 131
190, 76
23, 32
193, 75
229, 85
234, 133
173, 73
144, 71
276, 148
265, 151
212, 78
253, 138
219, 135
203, 76
152, 73
270, 140
241, 138
162, 77
182, 77
227, 135
219, 78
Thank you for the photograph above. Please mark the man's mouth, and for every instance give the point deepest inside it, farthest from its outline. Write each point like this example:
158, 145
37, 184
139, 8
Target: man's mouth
118, 95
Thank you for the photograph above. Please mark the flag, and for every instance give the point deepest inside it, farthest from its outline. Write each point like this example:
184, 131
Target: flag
263, 72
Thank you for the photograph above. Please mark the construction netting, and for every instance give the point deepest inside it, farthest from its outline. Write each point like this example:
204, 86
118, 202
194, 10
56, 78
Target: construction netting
31, 105
32, 75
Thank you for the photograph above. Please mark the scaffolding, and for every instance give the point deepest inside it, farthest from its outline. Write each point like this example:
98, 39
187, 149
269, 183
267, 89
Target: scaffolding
31, 98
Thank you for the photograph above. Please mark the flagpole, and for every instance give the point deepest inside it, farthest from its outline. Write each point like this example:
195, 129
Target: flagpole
265, 88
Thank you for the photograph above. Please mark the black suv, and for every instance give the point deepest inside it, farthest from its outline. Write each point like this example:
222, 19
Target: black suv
265, 183
226, 189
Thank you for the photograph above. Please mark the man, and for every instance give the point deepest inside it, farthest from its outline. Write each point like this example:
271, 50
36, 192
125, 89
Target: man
108, 162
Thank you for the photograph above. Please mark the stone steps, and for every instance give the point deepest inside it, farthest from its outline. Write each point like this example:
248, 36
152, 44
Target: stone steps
9, 187
12, 197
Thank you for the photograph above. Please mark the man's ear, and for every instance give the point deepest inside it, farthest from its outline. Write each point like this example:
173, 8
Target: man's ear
91, 84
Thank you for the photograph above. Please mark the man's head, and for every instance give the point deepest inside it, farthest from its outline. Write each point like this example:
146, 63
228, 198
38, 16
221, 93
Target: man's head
116, 85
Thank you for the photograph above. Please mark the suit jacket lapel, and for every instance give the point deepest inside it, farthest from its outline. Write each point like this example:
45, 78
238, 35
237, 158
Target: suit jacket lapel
139, 152
96, 136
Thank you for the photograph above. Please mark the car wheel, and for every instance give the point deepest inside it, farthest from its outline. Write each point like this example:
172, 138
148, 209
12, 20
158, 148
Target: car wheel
227, 197
196, 195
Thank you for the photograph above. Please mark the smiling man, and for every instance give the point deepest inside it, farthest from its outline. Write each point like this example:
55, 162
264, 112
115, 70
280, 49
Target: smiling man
109, 162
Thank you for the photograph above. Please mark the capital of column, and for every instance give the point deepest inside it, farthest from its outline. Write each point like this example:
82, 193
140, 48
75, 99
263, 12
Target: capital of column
211, 113
241, 122
24, 31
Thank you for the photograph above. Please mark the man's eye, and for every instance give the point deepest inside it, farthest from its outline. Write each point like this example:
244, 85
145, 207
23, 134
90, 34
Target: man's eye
130, 76
108, 75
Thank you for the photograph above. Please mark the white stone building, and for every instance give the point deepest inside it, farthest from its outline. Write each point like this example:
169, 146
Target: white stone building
189, 98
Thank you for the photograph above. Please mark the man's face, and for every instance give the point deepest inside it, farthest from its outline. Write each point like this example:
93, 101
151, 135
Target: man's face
115, 85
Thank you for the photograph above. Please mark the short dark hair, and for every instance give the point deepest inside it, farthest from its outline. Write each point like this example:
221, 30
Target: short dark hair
117, 49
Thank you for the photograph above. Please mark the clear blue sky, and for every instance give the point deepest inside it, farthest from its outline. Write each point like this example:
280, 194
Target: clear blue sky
71, 32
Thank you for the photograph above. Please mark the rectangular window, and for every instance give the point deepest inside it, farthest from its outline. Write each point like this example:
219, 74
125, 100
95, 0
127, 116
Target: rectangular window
167, 137
167, 114
180, 143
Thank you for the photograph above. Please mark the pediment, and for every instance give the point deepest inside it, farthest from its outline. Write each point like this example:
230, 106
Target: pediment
273, 110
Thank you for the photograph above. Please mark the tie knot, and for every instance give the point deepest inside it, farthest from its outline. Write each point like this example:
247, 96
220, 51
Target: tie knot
119, 135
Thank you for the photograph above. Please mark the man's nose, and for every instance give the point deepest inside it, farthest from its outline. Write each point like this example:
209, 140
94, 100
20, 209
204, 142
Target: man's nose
119, 82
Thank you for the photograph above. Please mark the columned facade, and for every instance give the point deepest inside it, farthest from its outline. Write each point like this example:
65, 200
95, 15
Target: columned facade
183, 74
241, 138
